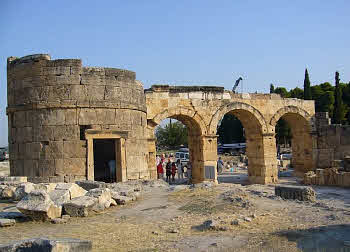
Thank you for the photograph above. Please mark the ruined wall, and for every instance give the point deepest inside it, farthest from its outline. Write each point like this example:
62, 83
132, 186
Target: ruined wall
333, 141
52, 102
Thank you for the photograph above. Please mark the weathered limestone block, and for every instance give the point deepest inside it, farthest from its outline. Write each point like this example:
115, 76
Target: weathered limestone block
121, 200
80, 206
7, 222
59, 197
46, 245
90, 184
23, 190
302, 193
73, 189
7, 192
14, 179
103, 195
38, 206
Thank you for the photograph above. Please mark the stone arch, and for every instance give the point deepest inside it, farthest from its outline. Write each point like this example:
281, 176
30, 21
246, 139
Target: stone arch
237, 106
196, 132
289, 110
300, 122
189, 117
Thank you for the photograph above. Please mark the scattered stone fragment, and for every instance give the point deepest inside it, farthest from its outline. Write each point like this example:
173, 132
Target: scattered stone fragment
235, 222
103, 196
174, 231
59, 221
38, 206
122, 200
155, 232
7, 222
247, 219
46, 245
80, 206
74, 189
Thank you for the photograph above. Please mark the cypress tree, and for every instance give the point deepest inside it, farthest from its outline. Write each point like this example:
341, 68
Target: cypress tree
272, 88
307, 86
338, 113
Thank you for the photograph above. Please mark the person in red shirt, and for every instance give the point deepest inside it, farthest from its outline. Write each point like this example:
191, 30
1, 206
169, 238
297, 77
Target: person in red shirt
173, 171
160, 169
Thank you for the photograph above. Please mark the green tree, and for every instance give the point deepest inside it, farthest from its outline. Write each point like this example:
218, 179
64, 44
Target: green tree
230, 130
282, 91
297, 93
272, 88
339, 108
283, 132
307, 86
171, 135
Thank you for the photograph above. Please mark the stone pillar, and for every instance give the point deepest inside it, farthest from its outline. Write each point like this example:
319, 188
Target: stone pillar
152, 166
302, 153
262, 162
203, 156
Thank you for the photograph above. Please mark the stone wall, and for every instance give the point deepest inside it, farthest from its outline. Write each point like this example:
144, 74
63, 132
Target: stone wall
327, 177
333, 141
52, 102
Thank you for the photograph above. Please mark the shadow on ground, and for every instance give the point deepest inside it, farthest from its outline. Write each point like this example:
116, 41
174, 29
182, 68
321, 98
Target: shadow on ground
333, 238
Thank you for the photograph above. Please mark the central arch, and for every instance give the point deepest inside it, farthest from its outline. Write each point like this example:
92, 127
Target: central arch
260, 145
196, 130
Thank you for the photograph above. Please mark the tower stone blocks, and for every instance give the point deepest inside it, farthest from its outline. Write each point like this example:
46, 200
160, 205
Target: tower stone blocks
52, 104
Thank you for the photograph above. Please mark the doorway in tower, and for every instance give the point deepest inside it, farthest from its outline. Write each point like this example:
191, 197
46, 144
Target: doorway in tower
105, 160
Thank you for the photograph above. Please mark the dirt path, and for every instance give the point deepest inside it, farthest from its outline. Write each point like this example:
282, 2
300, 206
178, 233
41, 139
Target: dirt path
171, 219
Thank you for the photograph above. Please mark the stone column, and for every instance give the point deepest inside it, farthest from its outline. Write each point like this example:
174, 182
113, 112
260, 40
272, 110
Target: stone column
203, 156
302, 153
262, 162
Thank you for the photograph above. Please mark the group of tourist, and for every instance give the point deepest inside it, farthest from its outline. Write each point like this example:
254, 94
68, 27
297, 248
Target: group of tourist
171, 167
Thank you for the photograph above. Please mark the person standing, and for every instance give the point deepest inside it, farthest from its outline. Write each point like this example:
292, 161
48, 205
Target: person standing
180, 171
220, 165
160, 169
168, 170
173, 171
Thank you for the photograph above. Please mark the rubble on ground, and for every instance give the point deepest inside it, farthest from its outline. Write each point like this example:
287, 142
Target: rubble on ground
48, 201
48, 245
328, 176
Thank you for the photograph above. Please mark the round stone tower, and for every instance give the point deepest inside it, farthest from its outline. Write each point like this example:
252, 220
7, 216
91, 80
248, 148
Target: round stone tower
68, 122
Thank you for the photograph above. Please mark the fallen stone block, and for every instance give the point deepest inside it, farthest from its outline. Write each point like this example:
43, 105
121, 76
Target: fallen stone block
46, 245
8, 192
13, 179
90, 184
122, 200
103, 195
59, 197
302, 193
80, 206
37, 205
74, 189
7, 222
23, 190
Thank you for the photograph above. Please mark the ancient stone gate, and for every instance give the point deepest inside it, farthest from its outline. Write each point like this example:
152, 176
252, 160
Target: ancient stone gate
201, 108
60, 112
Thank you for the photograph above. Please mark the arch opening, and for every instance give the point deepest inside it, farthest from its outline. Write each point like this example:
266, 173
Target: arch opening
294, 143
250, 166
189, 152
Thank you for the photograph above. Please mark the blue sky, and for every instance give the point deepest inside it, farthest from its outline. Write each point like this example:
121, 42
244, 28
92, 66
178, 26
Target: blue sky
184, 42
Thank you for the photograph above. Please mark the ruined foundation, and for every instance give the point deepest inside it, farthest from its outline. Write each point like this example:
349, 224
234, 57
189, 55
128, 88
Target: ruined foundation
57, 109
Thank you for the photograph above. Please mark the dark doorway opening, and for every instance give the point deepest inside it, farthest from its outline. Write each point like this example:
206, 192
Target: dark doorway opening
104, 159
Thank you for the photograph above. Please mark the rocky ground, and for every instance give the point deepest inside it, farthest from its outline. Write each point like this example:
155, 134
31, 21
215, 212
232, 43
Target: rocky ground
224, 217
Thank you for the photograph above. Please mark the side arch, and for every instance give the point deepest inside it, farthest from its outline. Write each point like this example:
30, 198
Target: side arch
189, 117
236, 106
292, 110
